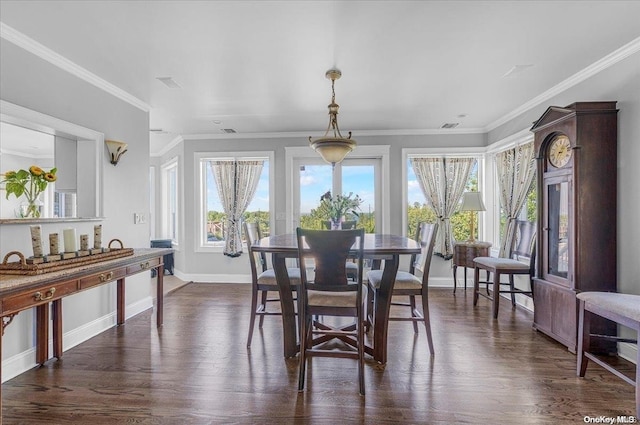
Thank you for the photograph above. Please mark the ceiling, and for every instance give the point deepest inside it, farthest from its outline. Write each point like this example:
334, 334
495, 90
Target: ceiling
259, 66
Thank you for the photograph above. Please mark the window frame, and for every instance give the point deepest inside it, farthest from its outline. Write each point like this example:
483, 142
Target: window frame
200, 177
477, 153
295, 154
493, 198
172, 165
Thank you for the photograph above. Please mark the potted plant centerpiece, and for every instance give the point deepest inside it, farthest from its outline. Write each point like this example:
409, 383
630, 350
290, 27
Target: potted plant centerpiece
336, 208
30, 184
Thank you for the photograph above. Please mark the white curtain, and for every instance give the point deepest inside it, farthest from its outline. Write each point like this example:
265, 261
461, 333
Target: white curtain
236, 182
516, 169
442, 181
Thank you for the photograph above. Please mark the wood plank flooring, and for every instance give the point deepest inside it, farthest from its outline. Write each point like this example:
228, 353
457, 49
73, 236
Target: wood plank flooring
197, 370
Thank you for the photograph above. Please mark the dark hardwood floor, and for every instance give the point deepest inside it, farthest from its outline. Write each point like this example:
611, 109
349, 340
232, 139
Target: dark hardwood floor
197, 370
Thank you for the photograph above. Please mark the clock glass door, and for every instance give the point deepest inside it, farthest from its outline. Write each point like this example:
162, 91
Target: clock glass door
558, 229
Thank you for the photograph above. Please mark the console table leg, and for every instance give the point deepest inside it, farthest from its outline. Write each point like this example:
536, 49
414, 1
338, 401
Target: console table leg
42, 333
57, 328
120, 301
160, 296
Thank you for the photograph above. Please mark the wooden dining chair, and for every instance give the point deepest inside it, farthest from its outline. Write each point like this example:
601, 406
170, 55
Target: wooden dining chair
414, 283
263, 279
325, 253
352, 268
523, 248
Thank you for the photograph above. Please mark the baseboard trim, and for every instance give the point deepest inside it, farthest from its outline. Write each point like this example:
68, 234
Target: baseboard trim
21, 362
628, 351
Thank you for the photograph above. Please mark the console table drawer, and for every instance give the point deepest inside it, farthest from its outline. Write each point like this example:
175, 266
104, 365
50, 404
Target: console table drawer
144, 265
35, 297
101, 278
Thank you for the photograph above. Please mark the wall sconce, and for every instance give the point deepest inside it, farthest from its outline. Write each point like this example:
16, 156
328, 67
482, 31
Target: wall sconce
116, 150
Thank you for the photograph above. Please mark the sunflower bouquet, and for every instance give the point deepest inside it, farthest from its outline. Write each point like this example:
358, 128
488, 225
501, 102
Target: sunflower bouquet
30, 184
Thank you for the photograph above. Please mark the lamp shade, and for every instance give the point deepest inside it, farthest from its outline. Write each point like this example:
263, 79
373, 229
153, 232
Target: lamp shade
116, 150
333, 150
472, 201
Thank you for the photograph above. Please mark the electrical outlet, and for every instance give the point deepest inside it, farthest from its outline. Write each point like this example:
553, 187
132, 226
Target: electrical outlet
139, 218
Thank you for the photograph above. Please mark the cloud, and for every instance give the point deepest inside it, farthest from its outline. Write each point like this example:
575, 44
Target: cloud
307, 180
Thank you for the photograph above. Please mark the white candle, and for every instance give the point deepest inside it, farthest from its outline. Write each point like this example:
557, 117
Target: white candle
36, 240
69, 240
97, 236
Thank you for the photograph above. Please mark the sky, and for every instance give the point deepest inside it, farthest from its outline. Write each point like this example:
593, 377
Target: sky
315, 180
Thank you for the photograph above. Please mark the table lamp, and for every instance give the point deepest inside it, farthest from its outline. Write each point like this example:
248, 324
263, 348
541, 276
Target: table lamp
472, 202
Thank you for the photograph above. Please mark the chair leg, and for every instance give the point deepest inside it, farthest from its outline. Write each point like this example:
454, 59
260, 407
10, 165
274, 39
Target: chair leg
264, 307
371, 306
638, 377
513, 294
252, 321
584, 339
496, 294
361, 351
305, 329
427, 321
412, 304
476, 284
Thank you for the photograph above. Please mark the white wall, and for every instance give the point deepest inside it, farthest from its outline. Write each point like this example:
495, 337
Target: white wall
215, 267
30, 82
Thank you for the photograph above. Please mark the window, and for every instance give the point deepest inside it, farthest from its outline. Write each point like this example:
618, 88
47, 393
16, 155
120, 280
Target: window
170, 200
418, 209
529, 208
356, 176
211, 215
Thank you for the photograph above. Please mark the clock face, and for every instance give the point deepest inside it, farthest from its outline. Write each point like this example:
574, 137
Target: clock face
560, 151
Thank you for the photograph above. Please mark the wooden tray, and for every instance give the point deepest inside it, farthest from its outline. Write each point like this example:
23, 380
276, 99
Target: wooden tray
21, 267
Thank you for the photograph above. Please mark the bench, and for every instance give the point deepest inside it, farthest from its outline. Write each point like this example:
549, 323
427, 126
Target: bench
623, 309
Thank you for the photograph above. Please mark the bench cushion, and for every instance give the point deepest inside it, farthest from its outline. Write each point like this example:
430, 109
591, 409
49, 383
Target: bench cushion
626, 305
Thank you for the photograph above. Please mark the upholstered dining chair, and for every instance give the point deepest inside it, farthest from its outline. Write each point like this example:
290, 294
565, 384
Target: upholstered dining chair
412, 283
263, 279
329, 293
522, 248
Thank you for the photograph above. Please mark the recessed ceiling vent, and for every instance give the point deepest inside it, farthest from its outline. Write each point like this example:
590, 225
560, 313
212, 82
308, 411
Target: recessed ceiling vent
450, 125
229, 130
169, 82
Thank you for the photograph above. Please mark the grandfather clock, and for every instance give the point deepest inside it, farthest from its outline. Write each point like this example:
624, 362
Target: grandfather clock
576, 150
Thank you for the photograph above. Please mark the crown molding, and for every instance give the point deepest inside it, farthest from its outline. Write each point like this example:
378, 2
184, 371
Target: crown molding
596, 67
172, 144
32, 46
305, 135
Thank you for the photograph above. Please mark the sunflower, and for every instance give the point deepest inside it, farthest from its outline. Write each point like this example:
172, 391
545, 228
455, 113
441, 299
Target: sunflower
35, 170
50, 177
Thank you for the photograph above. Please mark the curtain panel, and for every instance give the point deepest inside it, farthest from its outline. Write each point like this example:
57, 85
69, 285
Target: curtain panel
236, 182
442, 181
516, 170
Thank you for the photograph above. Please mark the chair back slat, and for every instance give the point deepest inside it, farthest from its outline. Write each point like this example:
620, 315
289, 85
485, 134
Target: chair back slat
253, 234
328, 252
524, 239
426, 237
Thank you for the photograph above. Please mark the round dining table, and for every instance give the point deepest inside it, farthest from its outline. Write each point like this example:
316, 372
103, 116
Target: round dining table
377, 247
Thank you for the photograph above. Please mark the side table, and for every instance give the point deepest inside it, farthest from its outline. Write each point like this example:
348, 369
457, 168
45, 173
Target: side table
463, 255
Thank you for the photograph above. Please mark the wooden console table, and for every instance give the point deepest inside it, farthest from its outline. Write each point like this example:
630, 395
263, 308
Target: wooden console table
463, 255
19, 293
